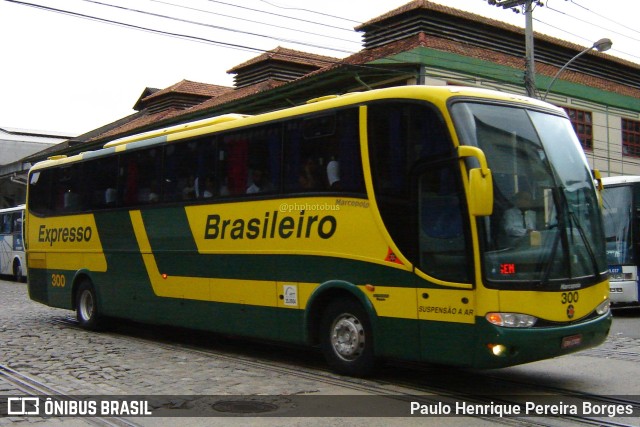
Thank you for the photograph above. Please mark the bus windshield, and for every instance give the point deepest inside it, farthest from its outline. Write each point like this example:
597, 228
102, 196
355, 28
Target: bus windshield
616, 204
545, 229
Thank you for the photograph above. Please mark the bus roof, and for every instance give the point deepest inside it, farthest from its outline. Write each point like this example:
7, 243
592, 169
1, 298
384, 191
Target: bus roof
435, 94
616, 180
210, 121
12, 209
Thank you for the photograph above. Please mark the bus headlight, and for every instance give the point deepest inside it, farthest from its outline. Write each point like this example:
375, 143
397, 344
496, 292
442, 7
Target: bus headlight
604, 307
511, 320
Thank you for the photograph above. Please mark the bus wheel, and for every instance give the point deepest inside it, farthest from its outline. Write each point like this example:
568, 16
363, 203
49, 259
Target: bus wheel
17, 271
87, 307
347, 339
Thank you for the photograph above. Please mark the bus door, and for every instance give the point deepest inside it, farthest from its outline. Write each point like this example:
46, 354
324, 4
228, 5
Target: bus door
444, 253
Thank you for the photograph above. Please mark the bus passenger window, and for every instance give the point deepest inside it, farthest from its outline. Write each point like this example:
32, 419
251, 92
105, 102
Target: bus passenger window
40, 191
101, 182
141, 174
322, 153
6, 223
69, 189
250, 162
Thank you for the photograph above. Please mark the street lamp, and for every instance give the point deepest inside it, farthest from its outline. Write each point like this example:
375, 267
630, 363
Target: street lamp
601, 46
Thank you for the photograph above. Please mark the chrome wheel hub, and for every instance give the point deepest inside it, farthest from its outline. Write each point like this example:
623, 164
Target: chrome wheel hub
347, 337
86, 305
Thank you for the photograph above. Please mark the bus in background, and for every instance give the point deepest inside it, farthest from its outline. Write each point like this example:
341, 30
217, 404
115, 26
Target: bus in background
372, 225
621, 207
12, 259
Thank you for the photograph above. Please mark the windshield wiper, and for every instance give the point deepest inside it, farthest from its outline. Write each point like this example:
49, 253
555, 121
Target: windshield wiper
563, 222
560, 225
592, 256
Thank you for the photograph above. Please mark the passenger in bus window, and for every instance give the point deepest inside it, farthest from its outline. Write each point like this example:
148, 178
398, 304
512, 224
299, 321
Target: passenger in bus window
71, 200
209, 188
310, 175
110, 196
189, 191
333, 174
154, 195
520, 220
259, 182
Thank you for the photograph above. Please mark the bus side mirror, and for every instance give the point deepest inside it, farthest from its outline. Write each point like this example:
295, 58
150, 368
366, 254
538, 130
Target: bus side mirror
480, 192
597, 178
480, 182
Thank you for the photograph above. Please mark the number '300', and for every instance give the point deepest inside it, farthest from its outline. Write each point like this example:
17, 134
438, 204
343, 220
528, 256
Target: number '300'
569, 297
58, 280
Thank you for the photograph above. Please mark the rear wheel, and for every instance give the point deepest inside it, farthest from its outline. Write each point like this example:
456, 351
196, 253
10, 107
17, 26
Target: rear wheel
17, 271
347, 338
87, 307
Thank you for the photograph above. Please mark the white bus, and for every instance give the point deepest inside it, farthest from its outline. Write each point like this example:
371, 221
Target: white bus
11, 243
621, 201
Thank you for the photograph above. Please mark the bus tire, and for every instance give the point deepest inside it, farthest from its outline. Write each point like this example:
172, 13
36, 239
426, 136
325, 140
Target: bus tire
346, 338
17, 271
87, 307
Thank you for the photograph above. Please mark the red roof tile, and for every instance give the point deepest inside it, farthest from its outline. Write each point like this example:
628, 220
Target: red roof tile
287, 55
190, 88
143, 121
427, 5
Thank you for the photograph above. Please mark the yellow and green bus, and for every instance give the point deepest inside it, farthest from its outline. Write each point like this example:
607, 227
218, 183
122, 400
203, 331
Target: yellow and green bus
371, 225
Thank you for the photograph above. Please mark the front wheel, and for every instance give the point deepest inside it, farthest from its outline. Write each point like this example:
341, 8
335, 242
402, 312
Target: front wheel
87, 307
347, 338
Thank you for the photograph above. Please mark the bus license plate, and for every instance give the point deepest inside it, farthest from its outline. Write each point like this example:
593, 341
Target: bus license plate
571, 341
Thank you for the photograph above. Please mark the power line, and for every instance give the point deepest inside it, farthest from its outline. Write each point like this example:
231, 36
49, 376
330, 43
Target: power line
194, 38
589, 41
591, 23
132, 26
279, 15
604, 17
488, 70
311, 11
244, 19
217, 27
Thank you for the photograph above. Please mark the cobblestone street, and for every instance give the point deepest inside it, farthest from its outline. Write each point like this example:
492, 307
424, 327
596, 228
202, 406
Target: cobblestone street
76, 362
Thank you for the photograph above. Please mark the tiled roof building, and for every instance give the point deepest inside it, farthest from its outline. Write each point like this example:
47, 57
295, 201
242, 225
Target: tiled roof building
418, 43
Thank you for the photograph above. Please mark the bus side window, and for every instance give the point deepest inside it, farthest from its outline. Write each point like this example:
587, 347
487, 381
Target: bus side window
250, 161
179, 174
322, 153
101, 181
40, 191
235, 153
5, 220
141, 173
68, 190
206, 167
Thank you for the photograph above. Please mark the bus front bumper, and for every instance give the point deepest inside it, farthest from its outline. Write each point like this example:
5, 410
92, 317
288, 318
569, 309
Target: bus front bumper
501, 347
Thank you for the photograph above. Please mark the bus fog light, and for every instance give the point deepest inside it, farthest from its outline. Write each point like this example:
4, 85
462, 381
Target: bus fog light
604, 307
511, 320
497, 349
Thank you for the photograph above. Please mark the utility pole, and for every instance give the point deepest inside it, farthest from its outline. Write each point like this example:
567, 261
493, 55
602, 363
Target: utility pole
530, 67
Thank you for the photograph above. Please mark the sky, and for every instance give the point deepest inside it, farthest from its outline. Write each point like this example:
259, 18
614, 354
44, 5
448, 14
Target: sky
74, 73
